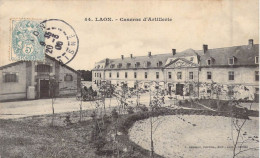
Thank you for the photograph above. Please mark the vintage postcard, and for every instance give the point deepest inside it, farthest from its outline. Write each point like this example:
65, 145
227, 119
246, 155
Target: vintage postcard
129, 79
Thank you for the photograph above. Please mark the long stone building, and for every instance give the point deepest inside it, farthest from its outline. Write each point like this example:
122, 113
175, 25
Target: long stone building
35, 80
230, 72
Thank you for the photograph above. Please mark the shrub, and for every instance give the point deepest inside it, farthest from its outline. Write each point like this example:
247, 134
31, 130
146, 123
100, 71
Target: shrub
106, 119
93, 115
67, 120
143, 108
130, 110
99, 143
114, 114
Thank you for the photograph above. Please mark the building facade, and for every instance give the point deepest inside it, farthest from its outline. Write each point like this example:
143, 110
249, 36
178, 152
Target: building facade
228, 73
34, 80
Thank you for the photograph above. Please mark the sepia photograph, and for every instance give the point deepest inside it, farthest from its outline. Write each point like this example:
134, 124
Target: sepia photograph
129, 79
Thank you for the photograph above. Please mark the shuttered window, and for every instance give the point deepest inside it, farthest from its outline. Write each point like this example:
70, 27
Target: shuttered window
10, 77
43, 68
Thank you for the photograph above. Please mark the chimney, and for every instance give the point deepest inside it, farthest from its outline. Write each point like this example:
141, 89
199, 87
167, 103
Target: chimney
131, 56
149, 54
173, 51
251, 42
205, 48
122, 57
107, 61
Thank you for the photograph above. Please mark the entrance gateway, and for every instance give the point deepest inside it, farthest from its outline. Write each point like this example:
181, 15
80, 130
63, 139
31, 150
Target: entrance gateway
44, 89
179, 89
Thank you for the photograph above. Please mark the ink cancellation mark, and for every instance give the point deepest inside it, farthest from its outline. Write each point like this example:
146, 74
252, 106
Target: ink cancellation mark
26, 37
61, 40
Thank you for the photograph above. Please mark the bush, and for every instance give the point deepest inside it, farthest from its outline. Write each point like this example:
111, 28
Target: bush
114, 114
106, 119
130, 110
93, 115
143, 108
67, 120
99, 143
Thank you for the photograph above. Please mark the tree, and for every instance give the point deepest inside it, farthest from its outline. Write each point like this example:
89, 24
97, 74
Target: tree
54, 85
238, 137
156, 101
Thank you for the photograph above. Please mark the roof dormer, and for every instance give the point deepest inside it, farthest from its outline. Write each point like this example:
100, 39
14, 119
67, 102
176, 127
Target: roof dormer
119, 65
210, 61
137, 64
112, 65
256, 60
159, 64
128, 65
231, 60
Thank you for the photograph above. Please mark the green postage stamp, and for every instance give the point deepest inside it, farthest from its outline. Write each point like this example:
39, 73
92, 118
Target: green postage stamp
26, 38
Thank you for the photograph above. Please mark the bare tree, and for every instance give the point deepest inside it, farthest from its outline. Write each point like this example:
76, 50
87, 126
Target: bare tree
54, 85
238, 137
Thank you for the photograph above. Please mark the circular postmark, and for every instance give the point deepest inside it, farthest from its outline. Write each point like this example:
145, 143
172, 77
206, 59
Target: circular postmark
61, 40
26, 38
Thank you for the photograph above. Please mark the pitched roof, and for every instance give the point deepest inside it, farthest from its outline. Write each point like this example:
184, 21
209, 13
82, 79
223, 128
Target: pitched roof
243, 55
47, 56
128, 62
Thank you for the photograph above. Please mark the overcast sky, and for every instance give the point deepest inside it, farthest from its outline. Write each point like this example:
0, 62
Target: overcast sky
216, 23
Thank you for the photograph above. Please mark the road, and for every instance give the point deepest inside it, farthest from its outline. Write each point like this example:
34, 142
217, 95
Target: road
18, 109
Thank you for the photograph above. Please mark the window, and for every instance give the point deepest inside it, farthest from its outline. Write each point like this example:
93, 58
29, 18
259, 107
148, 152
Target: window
169, 75
179, 75
10, 77
257, 75
231, 61
209, 91
257, 90
128, 65
117, 74
137, 64
119, 65
159, 64
68, 77
95, 82
112, 66
256, 60
209, 61
148, 64
125, 74
191, 75
43, 68
100, 75
110, 74
191, 59
209, 76
145, 75
135, 74
231, 75
157, 75
95, 74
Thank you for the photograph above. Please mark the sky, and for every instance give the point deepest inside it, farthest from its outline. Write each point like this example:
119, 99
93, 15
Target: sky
217, 23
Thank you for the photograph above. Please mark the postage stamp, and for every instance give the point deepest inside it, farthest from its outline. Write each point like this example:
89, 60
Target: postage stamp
61, 41
32, 39
26, 36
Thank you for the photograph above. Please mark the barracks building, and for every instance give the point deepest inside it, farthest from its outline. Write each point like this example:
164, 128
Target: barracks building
235, 70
